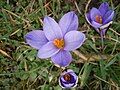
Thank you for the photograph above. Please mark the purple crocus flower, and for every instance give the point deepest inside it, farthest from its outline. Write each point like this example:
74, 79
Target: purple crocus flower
68, 79
100, 18
57, 39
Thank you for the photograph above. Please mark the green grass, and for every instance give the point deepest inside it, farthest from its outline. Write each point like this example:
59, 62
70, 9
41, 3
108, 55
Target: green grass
20, 69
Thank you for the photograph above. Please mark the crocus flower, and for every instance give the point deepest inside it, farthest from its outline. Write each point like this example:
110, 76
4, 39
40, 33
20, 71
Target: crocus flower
68, 79
100, 18
57, 39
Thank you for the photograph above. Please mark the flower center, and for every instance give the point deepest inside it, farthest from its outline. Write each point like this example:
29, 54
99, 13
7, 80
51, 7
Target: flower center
98, 19
67, 77
59, 43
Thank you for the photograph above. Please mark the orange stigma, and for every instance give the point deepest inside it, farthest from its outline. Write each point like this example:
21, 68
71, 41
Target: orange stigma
98, 19
67, 77
59, 43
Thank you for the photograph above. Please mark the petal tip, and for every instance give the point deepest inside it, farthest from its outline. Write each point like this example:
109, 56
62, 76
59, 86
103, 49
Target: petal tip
62, 59
46, 18
71, 13
105, 3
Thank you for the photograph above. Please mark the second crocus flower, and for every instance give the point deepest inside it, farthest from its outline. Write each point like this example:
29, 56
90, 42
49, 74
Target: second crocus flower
100, 18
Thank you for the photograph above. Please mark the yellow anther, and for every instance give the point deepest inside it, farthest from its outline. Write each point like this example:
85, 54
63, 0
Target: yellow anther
98, 19
59, 43
67, 77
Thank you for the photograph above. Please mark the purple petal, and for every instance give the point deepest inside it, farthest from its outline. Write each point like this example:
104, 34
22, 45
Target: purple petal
62, 58
108, 16
104, 7
47, 50
106, 25
65, 72
68, 71
74, 75
93, 13
71, 72
87, 16
73, 40
95, 24
103, 32
63, 85
68, 22
36, 39
51, 29
68, 84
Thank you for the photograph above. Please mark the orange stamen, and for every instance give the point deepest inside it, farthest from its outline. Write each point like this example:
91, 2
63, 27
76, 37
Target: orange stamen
67, 77
98, 19
59, 43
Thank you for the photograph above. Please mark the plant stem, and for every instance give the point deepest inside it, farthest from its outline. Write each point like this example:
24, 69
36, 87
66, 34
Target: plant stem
102, 41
